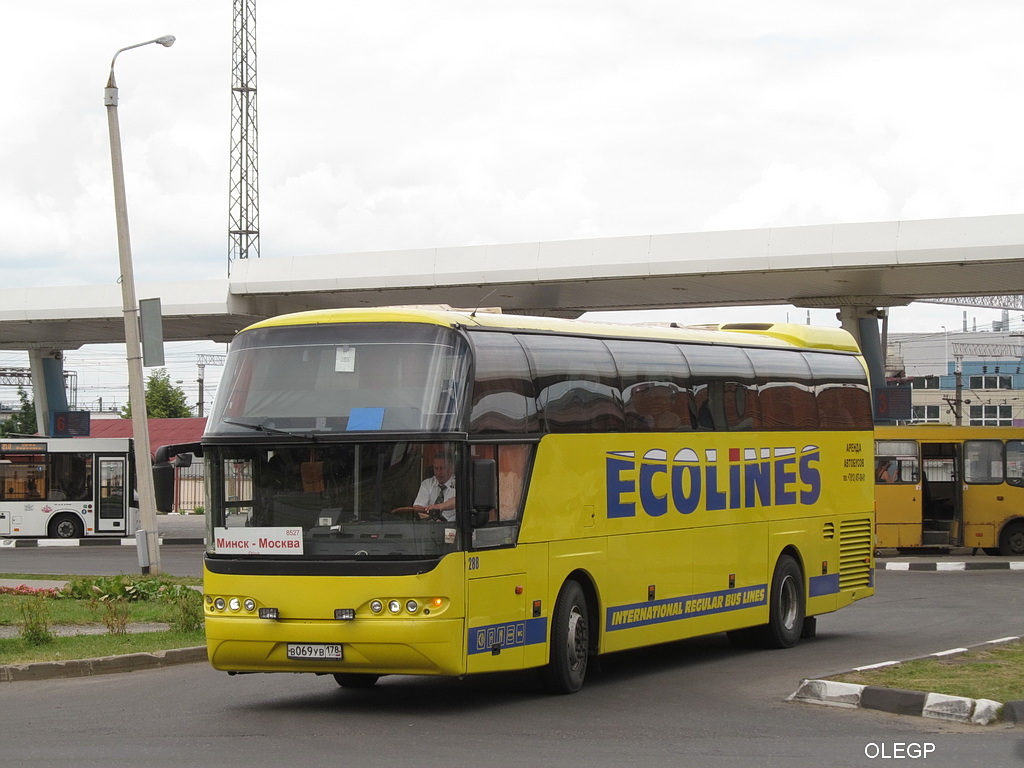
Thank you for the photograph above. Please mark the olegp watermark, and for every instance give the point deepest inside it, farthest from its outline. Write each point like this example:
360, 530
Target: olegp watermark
898, 750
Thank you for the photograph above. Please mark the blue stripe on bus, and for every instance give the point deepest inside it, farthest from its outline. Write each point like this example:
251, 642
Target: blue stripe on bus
507, 635
687, 607
824, 585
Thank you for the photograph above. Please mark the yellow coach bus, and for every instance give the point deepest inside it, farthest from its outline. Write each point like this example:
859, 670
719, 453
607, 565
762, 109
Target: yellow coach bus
944, 487
410, 491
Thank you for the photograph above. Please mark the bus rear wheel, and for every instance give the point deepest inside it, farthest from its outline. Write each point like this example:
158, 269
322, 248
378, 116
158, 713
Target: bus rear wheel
65, 527
1011, 540
570, 641
355, 680
787, 607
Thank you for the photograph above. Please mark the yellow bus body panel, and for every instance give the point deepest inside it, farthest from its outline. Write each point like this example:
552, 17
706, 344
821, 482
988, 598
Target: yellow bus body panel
421, 644
661, 578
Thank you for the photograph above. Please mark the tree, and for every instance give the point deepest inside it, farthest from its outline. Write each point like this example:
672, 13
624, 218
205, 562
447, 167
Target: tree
163, 399
23, 422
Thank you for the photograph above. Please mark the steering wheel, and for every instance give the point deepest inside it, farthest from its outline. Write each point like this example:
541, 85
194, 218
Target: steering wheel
406, 513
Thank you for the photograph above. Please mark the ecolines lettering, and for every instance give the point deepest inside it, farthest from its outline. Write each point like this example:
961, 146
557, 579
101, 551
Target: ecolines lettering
753, 477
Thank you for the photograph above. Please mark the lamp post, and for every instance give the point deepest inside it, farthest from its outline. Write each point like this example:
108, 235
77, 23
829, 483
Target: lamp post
136, 386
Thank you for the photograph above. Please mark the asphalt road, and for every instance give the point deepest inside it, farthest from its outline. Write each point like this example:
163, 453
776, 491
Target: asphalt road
695, 703
113, 557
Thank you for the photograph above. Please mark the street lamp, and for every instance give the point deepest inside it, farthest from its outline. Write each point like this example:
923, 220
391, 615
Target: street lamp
136, 387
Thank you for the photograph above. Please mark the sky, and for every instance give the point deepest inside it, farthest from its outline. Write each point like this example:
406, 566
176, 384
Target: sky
413, 125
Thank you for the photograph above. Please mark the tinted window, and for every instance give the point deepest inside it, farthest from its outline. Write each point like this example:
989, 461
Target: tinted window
342, 377
724, 394
503, 395
785, 390
576, 384
655, 386
840, 385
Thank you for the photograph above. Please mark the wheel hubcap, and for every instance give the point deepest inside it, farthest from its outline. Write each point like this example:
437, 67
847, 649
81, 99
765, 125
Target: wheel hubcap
788, 603
576, 638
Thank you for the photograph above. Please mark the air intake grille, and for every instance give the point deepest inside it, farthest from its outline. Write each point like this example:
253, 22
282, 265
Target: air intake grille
854, 554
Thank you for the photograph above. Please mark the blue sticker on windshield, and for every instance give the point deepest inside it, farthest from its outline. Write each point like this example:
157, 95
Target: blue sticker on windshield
365, 419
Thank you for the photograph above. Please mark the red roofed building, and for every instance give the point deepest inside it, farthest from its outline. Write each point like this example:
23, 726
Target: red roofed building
161, 431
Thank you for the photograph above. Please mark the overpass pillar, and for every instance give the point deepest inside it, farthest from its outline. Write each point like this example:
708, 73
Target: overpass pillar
862, 322
47, 366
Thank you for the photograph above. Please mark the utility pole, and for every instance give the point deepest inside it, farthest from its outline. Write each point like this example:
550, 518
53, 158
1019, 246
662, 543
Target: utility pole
201, 363
958, 406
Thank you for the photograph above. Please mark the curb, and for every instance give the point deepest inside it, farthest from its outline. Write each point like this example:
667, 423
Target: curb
95, 542
938, 706
106, 665
952, 566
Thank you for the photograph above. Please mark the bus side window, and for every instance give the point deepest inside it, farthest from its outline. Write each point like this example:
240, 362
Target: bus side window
885, 471
983, 461
896, 462
1015, 462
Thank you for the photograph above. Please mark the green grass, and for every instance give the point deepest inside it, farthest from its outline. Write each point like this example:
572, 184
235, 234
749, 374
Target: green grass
18, 651
77, 612
103, 602
995, 672
191, 581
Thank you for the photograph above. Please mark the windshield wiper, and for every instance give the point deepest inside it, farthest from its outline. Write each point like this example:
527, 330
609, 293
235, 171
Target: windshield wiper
262, 427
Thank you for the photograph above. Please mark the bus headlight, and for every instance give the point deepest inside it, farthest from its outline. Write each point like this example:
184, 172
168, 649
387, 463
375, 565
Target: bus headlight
235, 604
219, 603
394, 606
249, 604
376, 606
412, 606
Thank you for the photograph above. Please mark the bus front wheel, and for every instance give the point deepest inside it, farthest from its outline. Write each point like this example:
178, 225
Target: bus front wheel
65, 527
1011, 540
355, 680
570, 641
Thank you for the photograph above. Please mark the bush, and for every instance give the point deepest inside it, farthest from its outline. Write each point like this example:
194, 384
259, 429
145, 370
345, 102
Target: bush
188, 612
35, 627
115, 615
130, 588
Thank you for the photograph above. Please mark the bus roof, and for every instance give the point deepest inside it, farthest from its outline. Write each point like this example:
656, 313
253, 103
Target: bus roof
766, 334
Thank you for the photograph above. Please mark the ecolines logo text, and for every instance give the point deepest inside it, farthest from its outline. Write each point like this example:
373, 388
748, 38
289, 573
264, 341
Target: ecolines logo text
737, 479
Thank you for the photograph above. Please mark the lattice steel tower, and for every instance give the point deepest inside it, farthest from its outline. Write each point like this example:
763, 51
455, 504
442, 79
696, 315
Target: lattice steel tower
243, 203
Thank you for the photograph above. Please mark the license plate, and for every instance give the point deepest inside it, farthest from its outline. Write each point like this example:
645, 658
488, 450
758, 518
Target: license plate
314, 651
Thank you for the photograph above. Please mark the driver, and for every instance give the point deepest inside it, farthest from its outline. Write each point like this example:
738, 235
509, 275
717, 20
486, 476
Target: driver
436, 497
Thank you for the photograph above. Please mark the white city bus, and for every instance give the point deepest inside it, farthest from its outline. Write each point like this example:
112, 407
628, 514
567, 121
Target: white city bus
67, 488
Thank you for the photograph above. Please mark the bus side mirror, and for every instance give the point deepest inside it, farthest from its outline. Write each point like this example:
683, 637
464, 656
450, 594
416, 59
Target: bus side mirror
485, 490
165, 460
163, 486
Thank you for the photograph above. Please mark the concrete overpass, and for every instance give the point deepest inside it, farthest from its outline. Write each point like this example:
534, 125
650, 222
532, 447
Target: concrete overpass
857, 268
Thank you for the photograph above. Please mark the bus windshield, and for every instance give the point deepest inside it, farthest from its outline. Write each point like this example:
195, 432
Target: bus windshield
358, 377
377, 500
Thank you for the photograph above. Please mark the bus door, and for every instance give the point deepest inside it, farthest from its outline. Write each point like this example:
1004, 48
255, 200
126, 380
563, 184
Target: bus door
942, 494
496, 618
113, 495
898, 494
